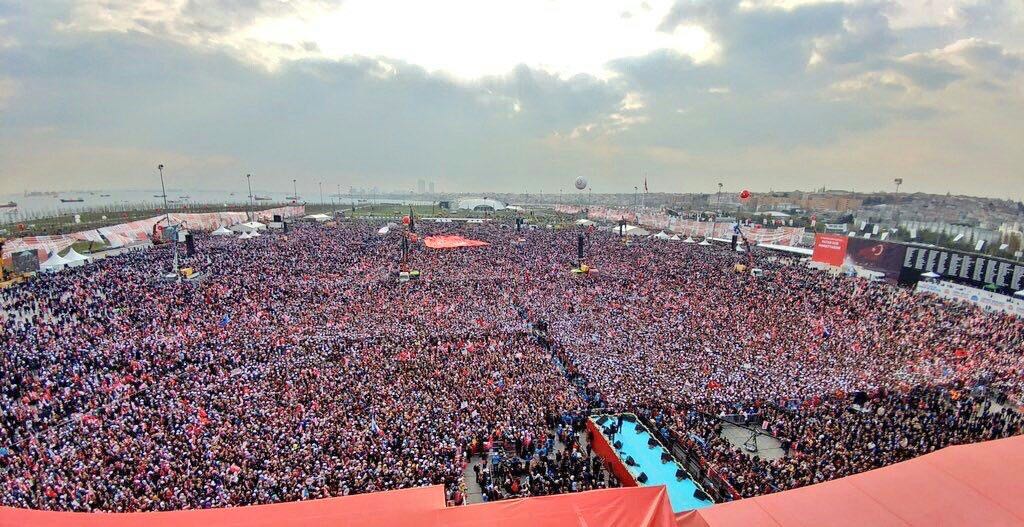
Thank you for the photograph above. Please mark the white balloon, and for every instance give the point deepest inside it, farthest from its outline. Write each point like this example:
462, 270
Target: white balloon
581, 183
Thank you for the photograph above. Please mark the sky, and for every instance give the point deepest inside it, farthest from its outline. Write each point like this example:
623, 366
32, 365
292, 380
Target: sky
523, 96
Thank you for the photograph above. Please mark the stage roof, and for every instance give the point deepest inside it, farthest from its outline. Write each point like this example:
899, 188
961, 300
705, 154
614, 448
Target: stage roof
418, 507
397, 508
978, 484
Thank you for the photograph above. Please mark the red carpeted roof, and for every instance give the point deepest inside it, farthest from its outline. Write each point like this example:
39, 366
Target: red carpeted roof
361, 510
625, 507
419, 507
978, 484
451, 242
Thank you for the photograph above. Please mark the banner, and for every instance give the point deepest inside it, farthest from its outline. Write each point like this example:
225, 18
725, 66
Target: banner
451, 242
830, 249
141, 230
876, 255
976, 269
987, 300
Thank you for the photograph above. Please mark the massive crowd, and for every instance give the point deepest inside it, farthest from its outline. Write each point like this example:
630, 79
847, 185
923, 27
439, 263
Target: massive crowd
298, 367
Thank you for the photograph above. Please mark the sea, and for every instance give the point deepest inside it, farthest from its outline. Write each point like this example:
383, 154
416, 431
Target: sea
33, 206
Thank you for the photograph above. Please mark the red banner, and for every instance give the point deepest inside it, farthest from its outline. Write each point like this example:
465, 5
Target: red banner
830, 249
451, 242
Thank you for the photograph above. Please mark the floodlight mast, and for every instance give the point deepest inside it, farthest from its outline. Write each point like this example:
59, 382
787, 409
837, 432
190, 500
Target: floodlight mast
167, 216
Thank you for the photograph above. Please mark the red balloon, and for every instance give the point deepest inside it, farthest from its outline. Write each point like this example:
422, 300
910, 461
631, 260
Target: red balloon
745, 194
405, 220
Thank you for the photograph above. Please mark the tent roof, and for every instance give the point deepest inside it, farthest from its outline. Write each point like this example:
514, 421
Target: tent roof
74, 256
399, 508
976, 484
54, 260
222, 231
416, 507
632, 506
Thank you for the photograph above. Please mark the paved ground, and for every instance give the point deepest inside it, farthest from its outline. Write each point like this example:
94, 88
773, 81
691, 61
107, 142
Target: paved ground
767, 447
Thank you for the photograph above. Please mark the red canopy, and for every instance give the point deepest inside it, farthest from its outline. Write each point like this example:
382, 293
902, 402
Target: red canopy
418, 507
626, 507
451, 242
978, 484
396, 508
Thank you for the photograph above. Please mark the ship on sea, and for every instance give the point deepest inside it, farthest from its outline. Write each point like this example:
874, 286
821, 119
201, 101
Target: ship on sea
8, 205
71, 200
37, 194
261, 198
104, 195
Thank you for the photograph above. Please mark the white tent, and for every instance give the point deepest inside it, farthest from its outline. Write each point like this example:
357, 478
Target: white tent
255, 234
675, 238
53, 264
249, 226
636, 230
663, 236
931, 275
223, 231
704, 242
244, 236
384, 230
317, 217
74, 259
689, 240
584, 222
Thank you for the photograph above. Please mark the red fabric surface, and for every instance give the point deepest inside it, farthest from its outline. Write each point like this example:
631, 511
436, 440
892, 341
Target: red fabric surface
395, 508
451, 242
625, 507
604, 449
977, 484
419, 507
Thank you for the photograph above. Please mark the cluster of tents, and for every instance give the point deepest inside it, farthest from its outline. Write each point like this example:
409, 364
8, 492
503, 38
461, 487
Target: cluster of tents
636, 230
675, 237
56, 262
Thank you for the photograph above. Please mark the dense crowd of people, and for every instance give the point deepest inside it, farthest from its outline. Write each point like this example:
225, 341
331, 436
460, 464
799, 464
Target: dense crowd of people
298, 367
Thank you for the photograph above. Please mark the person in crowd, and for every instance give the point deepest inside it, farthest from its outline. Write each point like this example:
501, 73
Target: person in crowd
298, 368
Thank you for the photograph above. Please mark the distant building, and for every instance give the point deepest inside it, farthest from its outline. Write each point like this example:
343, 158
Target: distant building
421, 186
827, 201
430, 187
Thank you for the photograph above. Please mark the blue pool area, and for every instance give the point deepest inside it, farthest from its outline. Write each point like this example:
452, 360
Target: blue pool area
649, 461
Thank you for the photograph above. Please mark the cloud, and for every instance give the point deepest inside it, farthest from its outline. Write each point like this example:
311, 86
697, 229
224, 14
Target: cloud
8, 88
361, 119
777, 93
